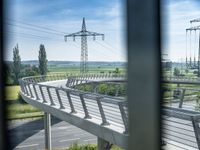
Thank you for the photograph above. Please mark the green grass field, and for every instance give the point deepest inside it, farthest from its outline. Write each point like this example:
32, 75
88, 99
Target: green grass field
92, 69
11, 92
16, 110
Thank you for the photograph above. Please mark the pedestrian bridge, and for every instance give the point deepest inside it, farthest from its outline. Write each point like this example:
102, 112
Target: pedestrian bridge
100, 114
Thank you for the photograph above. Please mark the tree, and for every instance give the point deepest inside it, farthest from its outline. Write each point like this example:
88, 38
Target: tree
176, 71
42, 60
117, 70
16, 64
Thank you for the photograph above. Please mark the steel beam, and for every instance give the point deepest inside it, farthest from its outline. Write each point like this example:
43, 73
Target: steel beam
144, 77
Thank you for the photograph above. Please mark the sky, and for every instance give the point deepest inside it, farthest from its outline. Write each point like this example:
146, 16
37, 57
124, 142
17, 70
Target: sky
176, 16
27, 22
33, 22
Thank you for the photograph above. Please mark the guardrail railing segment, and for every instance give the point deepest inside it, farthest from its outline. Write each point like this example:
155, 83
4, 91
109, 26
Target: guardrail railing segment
60, 91
109, 110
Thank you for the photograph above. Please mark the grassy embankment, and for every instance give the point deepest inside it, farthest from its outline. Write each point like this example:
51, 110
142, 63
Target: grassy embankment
17, 110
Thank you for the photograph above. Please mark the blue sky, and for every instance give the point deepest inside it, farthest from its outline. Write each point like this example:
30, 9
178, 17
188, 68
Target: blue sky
176, 16
103, 16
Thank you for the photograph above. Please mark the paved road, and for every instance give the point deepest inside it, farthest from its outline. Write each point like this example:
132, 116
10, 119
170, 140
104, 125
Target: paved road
30, 135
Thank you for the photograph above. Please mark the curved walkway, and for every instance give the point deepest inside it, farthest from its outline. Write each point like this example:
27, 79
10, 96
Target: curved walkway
103, 116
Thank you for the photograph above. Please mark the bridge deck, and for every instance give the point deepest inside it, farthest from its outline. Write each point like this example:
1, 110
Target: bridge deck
114, 132
105, 118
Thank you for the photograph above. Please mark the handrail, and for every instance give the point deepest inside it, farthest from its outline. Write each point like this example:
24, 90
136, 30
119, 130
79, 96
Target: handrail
110, 110
36, 88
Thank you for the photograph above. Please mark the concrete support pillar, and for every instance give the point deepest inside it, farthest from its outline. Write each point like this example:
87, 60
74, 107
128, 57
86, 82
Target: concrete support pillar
101, 144
47, 130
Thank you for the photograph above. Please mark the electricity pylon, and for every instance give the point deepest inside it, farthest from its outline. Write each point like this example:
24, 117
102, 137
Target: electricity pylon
196, 28
84, 49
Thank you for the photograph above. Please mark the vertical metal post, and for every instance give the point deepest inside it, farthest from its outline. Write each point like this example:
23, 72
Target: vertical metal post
30, 89
181, 98
103, 117
124, 117
195, 123
117, 86
24, 85
59, 99
70, 103
87, 116
47, 130
36, 94
144, 77
43, 98
21, 86
50, 97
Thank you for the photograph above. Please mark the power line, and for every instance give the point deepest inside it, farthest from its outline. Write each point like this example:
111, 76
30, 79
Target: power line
25, 35
100, 52
37, 26
33, 29
111, 50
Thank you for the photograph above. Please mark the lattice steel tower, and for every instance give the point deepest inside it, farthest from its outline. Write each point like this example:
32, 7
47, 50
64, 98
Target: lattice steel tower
84, 48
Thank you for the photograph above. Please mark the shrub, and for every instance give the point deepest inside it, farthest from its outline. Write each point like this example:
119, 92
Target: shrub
75, 146
176, 71
21, 100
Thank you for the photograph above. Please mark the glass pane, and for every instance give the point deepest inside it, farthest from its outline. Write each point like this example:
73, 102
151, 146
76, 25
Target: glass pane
181, 88
67, 58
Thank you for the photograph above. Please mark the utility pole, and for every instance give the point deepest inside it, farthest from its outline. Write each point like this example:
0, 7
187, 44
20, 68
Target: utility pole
84, 48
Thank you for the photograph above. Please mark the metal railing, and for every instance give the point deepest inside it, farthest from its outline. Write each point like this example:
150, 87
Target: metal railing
182, 127
59, 91
109, 110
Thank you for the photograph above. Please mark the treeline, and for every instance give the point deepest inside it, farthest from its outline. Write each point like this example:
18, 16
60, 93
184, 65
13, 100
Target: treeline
16, 70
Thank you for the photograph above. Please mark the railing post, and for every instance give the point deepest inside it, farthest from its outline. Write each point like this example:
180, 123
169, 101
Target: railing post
124, 117
43, 98
25, 88
59, 99
195, 123
31, 94
103, 117
94, 87
117, 89
21, 86
50, 97
47, 128
70, 102
36, 94
87, 116
181, 98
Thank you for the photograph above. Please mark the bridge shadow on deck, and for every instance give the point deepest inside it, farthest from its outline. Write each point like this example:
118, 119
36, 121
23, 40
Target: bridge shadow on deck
26, 130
